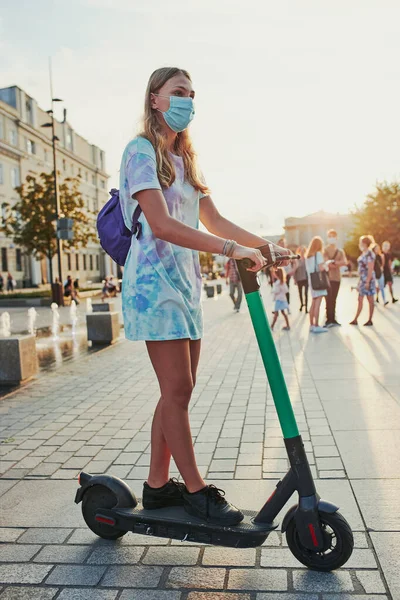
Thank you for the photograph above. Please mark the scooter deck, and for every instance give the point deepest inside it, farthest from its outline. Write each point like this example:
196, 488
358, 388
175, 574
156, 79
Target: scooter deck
174, 522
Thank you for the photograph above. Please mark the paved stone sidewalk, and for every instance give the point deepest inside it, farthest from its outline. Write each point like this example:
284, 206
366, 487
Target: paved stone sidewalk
95, 414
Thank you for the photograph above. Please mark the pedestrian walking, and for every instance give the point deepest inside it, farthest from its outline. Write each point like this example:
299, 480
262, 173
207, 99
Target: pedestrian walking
161, 291
288, 270
335, 258
10, 282
315, 266
379, 275
300, 278
1, 283
235, 285
367, 282
279, 291
387, 269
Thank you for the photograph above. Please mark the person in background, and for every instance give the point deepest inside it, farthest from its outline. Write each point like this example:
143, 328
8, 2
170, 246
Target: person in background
367, 283
335, 259
279, 291
289, 272
379, 276
75, 291
300, 277
10, 282
1, 283
387, 268
396, 266
235, 285
314, 262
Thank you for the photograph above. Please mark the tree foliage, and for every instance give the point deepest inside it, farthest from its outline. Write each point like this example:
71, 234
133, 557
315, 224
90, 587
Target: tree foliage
30, 222
380, 217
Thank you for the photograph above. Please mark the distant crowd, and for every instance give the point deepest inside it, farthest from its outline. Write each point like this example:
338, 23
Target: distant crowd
318, 273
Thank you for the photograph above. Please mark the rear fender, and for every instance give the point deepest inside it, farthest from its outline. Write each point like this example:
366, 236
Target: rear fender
125, 497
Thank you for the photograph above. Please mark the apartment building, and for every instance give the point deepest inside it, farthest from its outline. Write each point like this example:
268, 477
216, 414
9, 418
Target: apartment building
26, 149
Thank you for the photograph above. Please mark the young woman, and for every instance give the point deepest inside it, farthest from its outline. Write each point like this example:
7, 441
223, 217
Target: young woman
300, 277
315, 262
162, 284
279, 291
367, 282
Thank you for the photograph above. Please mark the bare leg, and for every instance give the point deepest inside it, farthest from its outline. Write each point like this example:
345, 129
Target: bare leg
312, 312
172, 362
371, 307
274, 319
359, 309
286, 318
317, 304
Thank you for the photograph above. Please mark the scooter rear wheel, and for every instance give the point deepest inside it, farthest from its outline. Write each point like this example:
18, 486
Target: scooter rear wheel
338, 545
97, 497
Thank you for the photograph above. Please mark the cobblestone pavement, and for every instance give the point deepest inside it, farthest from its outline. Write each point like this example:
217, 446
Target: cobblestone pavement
95, 414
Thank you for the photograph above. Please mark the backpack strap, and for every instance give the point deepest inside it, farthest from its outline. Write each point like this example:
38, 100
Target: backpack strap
136, 226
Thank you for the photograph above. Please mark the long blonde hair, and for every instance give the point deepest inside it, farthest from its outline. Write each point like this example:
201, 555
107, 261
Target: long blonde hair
152, 131
316, 245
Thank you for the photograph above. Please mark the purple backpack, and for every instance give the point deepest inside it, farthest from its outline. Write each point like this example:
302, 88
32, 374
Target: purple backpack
115, 237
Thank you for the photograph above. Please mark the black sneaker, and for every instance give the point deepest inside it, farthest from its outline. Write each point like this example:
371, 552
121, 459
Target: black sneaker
210, 505
169, 494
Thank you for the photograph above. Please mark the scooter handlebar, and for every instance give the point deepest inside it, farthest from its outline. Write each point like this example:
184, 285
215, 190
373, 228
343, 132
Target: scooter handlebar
275, 255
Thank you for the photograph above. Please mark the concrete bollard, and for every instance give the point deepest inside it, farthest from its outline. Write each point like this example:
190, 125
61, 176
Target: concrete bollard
18, 359
103, 327
103, 307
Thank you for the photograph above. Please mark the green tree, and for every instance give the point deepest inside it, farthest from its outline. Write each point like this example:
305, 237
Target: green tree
380, 217
30, 222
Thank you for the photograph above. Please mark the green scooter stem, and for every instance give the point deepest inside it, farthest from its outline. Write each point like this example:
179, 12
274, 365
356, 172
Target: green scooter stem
272, 365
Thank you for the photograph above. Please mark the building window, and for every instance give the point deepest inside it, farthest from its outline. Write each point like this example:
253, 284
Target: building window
103, 184
72, 168
12, 136
64, 165
97, 262
93, 180
29, 110
79, 172
15, 177
1, 174
90, 262
70, 142
19, 259
69, 262
77, 261
30, 147
102, 160
4, 261
86, 176
84, 262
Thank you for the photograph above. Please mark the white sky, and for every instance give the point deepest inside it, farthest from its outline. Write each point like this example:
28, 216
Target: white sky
297, 102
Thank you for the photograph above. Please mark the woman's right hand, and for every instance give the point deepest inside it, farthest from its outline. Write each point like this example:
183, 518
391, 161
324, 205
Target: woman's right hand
253, 254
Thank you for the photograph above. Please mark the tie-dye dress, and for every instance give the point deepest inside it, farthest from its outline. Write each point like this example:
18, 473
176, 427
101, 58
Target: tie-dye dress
161, 286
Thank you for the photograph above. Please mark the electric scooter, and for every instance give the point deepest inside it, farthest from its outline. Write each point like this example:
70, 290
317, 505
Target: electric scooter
317, 534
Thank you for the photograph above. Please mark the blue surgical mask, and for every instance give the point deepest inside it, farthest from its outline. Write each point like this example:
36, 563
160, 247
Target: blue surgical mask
180, 112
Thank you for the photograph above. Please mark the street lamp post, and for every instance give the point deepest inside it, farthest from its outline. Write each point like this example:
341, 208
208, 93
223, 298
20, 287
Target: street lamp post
56, 193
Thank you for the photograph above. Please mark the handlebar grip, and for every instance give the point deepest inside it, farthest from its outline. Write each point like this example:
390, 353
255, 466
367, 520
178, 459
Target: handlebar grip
273, 255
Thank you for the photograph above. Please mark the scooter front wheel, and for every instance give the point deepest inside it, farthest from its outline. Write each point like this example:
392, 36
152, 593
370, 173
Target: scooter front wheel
95, 498
338, 543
